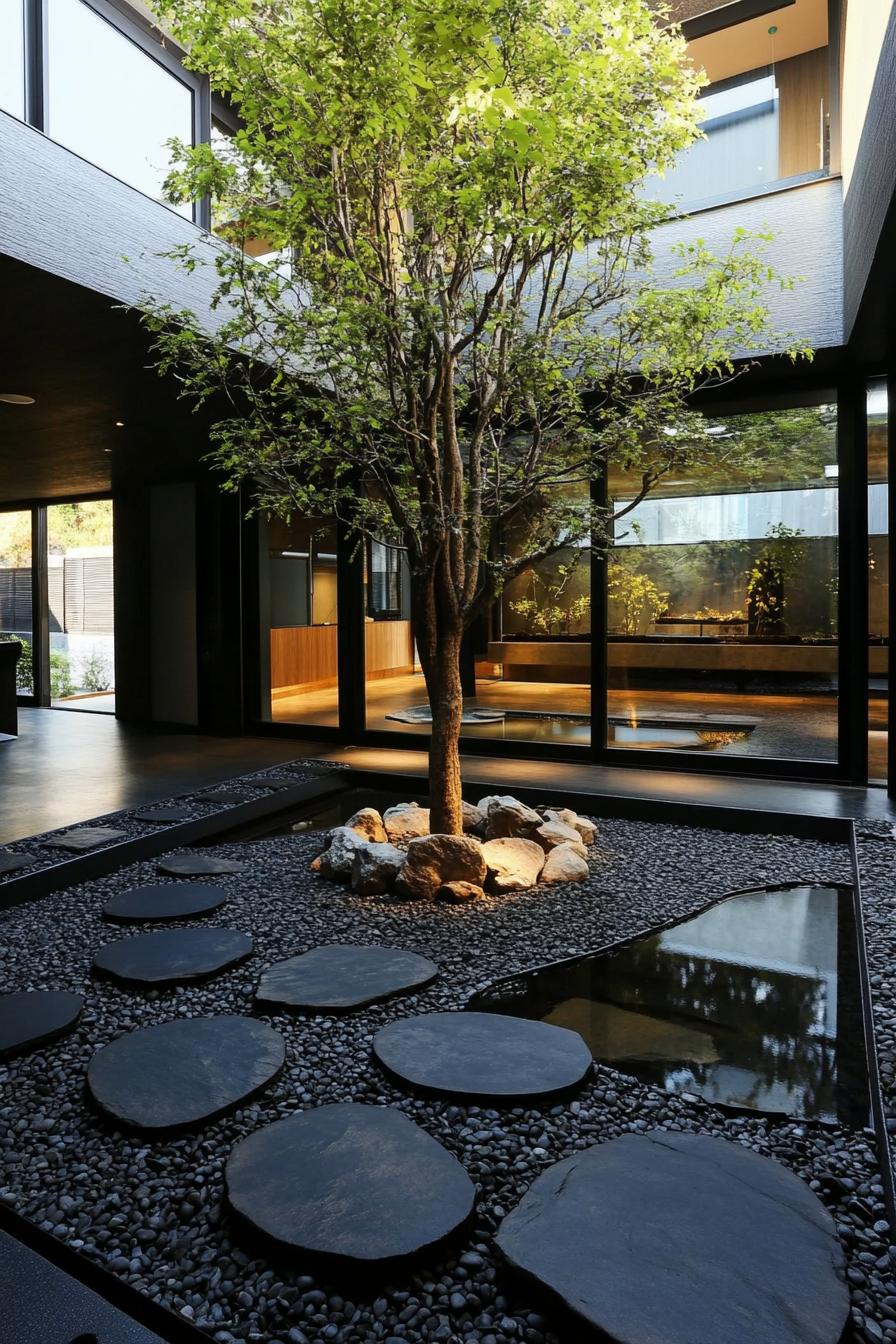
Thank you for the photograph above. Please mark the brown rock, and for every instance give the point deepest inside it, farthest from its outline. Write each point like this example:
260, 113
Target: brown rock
368, 823
550, 834
564, 864
405, 822
586, 828
434, 860
514, 863
505, 815
459, 893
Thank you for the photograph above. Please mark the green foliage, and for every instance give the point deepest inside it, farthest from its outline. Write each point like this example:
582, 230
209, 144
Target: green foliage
639, 599
25, 664
61, 683
96, 671
469, 324
550, 608
780, 561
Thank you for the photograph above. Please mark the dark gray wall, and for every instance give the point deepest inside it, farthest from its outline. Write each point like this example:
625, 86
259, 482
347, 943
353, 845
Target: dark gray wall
868, 209
171, 628
65, 216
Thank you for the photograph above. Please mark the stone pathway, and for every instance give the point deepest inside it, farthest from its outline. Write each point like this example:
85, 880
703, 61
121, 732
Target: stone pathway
162, 901
33, 1017
172, 956
184, 1073
340, 977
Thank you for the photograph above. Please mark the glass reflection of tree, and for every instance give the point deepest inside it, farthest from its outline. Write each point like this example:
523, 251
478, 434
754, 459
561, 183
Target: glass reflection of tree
768, 1025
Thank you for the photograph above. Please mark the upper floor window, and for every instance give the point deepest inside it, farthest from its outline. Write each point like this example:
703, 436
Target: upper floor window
112, 102
12, 57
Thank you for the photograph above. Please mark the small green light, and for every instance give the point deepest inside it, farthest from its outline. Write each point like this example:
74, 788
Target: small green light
773, 30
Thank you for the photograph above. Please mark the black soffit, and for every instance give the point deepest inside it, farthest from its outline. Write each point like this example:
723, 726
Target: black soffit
85, 362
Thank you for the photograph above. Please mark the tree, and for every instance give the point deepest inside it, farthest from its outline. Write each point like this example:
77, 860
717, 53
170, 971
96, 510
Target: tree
462, 326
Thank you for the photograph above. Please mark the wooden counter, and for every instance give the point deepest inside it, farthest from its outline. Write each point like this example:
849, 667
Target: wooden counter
572, 661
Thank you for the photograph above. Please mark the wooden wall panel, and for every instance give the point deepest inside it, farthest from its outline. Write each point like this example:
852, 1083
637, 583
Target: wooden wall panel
303, 656
388, 649
803, 94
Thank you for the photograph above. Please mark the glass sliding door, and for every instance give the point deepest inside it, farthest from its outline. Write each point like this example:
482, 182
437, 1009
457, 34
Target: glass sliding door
878, 583
81, 606
395, 692
298, 604
722, 593
15, 592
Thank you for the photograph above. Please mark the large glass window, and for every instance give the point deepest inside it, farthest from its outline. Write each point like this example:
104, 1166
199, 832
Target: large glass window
12, 57
110, 101
299, 621
80, 590
722, 593
765, 126
878, 583
15, 591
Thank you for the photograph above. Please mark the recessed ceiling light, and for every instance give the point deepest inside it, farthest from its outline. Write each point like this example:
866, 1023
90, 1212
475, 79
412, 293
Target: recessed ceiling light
119, 424
16, 399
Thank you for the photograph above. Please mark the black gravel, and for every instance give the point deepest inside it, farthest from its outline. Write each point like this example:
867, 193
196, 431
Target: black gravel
152, 1211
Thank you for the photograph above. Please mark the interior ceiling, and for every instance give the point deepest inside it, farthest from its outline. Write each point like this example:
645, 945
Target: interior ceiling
802, 26
86, 363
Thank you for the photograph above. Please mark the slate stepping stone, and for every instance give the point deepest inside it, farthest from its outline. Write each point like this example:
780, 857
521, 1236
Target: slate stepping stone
86, 837
339, 977
185, 1072
673, 1238
165, 814
172, 956
482, 1055
359, 1185
191, 864
164, 900
33, 1017
12, 863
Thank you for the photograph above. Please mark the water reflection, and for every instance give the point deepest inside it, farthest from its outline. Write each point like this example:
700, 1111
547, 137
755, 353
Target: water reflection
753, 1003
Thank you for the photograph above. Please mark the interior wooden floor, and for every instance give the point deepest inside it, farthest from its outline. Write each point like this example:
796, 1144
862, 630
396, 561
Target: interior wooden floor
64, 768
792, 726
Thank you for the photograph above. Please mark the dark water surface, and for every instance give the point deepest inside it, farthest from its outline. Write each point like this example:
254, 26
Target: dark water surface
754, 1003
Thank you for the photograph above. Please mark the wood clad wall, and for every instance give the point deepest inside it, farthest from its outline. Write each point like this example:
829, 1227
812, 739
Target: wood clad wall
304, 656
802, 90
388, 648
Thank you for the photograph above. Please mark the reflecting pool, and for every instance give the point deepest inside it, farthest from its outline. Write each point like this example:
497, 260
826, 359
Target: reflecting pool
754, 1003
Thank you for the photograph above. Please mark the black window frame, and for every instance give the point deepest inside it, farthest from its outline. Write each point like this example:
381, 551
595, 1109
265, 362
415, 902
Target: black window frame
136, 29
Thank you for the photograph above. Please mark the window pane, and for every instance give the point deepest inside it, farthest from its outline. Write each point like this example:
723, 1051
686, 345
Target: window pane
762, 127
299, 621
722, 594
81, 615
15, 590
878, 583
110, 101
12, 57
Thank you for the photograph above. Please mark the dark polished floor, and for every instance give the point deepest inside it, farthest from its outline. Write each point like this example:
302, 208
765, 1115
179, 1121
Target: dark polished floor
66, 767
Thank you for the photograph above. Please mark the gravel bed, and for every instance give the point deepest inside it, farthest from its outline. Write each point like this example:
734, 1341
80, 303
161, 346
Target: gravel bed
34, 847
153, 1212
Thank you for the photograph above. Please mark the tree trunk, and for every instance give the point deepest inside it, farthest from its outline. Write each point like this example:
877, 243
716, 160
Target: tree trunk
446, 700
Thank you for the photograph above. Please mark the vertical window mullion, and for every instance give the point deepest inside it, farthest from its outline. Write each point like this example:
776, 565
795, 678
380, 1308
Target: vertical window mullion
35, 12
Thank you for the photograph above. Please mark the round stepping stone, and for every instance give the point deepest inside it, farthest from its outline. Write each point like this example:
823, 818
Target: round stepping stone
164, 900
166, 814
87, 837
185, 1072
192, 864
32, 1017
681, 1237
357, 1184
340, 977
172, 956
482, 1055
